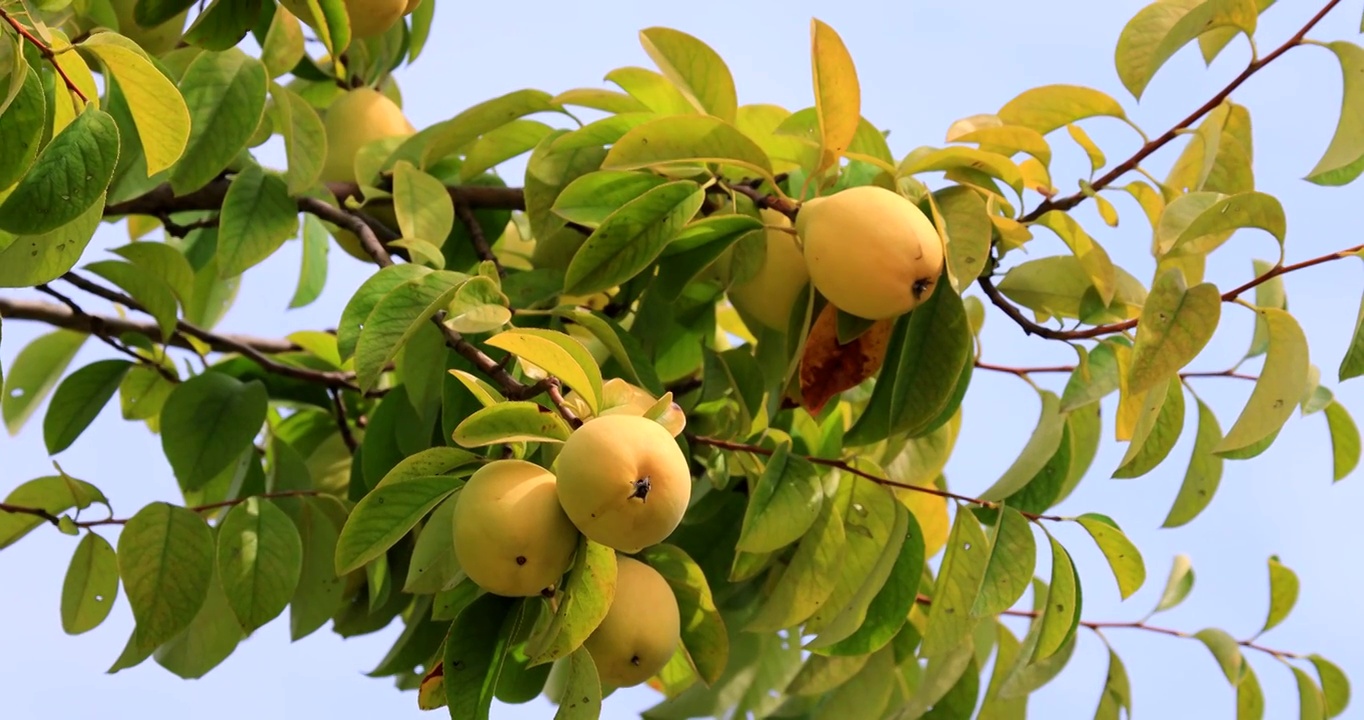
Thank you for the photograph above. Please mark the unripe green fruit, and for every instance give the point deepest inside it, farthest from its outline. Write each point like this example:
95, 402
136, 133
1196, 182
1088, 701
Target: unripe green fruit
871, 252
511, 536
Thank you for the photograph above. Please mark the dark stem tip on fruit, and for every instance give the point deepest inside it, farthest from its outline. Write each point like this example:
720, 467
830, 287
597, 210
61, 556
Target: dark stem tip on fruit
921, 286
634, 660
641, 489
520, 559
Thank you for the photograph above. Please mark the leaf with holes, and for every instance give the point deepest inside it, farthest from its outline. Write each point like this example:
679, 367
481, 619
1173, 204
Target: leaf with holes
68, 177
90, 586
963, 568
1129, 569
1013, 556
33, 373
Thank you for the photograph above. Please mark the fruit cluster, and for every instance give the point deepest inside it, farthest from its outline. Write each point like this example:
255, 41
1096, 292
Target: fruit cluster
621, 481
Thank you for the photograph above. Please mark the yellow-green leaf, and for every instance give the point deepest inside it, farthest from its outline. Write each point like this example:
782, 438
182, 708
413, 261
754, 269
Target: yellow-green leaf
1204, 473
421, 204
1283, 592
1129, 569
454, 134
704, 636
1343, 160
1049, 107
260, 559
1008, 140
1157, 32
1345, 443
686, 139
838, 93
1093, 258
950, 158
783, 503
608, 101
165, 559
581, 698
385, 515
1046, 437
158, 110
697, 70
90, 586
809, 578
1335, 685
1226, 651
654, 91
1061, 613
1211, 227
966, 226
584, 598
954, 594
1176, 324
1279, 387
502, 144
1177, 585
631, 238
519, 421
1013, 557
557, 354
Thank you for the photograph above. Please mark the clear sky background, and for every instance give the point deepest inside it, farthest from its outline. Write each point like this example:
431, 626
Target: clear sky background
922, 65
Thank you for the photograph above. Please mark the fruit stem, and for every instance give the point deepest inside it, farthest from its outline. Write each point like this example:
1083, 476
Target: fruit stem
641, 489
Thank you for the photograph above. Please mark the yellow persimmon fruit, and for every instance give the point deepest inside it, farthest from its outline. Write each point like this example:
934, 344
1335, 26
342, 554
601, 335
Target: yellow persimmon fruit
623, 481
641, 629
155, 40
871, 252
353, 120
411, 5
511, 536
369, 18
770, 294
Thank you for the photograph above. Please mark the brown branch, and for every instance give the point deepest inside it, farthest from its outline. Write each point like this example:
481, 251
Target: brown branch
556, 396
476, 236
1099, 625
762, 200
55, 520
98, 329
329, 378
1152, 146
46, 51
841, 465
342, 423
1026, 371
62, 317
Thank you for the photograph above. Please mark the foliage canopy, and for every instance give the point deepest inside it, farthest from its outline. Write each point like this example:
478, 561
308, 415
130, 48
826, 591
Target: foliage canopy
823, 567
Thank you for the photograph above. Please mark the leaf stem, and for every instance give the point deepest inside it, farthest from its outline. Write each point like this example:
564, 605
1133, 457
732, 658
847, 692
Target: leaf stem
55, 520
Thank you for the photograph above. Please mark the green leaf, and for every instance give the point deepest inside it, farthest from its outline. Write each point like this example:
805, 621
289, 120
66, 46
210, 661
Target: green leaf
1061, 614
1157, 429
312, 272
704, 636
1129, 569
434, 567
651, 90
319, 593
581, 697
959, 580
1156, 33
1344, 440
1177, 323
206, 423
165, 559
809, 578
498, 146
34, 372
385, 515
162, 261
282, 47
1283, 592
586, 596
223, 24
257, 217
1094, 378
918, 384
697, 70
676, 139
362, 303
1334, 685
225, 92
557, 354
396, 317
150, 291
208, 640
1343, 160
876, 523
1311, 701
422, 204
1028, 675
605, 131
1177, 585
68, 178
888, 611
966, 225
1049, 107
1282, 380
782, 505
475, 651
1059, 286
591, 198
516, 421
1013, 557
260, 559
79, 400
1090, 254
939, 680
90, 586
24, 117
159, 112
54, 493
1204, 473
454, 134
632, 237
1117, 693
1045, 439
1226, 651
305, 138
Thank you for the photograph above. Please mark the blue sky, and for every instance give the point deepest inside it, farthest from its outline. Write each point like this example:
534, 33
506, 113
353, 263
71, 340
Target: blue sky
922, 65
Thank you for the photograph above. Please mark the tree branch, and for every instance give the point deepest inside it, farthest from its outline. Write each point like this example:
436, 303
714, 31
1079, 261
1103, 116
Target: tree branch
476, 236
55, 520
1024, 372
841, 465
46, 51
342, 422
1099, 625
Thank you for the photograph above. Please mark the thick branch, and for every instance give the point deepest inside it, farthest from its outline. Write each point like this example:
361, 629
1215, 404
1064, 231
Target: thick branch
49, 517
841, 465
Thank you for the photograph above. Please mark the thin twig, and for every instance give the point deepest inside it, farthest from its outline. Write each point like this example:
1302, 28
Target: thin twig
342, 423
55, 520
841, 465
556, 396
98, 330
476, 236
46, 52
1026, 371
1098, 625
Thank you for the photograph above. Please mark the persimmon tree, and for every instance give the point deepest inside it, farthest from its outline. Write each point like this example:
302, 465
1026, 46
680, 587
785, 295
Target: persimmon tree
653, 267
